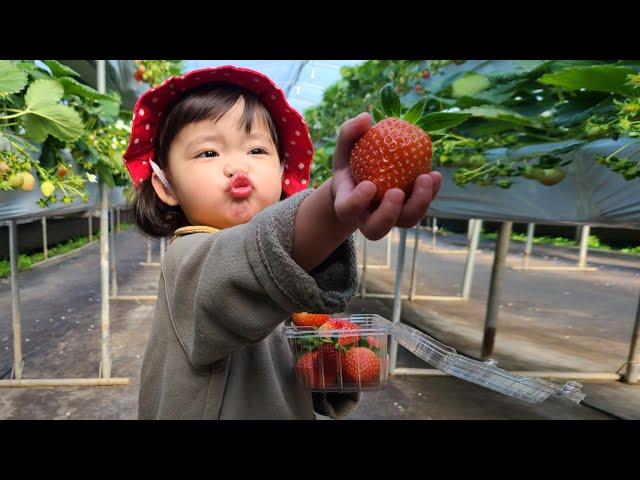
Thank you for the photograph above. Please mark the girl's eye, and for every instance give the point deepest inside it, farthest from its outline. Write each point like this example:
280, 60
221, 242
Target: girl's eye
208, 154
258, 151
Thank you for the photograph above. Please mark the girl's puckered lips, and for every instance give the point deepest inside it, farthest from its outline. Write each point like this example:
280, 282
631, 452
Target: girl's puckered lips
240, 186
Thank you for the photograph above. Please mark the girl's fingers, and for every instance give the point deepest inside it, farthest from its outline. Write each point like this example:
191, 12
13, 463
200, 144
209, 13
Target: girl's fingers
351, 202
350, 132
437, 182
377, 224
418, 202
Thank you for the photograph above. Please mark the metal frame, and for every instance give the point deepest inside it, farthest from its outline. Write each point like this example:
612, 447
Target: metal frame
475, 227
434, 231
582, 260
114, 271
149, 262
364, 263
104, 374
631, 375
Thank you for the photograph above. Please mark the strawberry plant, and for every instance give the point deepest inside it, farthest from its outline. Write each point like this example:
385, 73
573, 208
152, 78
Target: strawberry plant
511, 116
154, 72
58, 130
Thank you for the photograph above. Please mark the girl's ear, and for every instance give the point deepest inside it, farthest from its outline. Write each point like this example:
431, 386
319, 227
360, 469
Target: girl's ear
166, 195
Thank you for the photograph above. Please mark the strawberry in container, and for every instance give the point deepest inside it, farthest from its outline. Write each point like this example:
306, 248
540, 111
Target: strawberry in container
350, 355
339, 354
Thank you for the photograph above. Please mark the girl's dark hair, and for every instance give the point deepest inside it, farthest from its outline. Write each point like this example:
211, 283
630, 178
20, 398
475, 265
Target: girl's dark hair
207, 102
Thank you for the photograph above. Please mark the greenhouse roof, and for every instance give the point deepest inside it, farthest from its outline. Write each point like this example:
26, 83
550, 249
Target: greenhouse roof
304, 81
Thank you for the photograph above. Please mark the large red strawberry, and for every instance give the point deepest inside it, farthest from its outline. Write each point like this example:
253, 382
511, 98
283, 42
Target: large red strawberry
344, 339
315, 376
392, 153
304, 319
328, 361
361, 366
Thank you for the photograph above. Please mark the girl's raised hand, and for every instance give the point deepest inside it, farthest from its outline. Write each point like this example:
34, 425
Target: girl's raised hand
352, 203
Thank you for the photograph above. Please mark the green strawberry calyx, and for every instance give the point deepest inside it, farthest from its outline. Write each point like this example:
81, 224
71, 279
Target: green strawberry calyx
390, 107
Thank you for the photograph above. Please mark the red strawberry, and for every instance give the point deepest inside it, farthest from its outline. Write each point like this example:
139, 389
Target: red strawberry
426, 74
392, 153
138, 75
343, 339
360, 365
373, 341
419, 88
304, 319
328, 361
62, 171
308, 368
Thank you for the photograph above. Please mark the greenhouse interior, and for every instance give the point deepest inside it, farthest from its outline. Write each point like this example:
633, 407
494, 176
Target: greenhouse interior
149, 267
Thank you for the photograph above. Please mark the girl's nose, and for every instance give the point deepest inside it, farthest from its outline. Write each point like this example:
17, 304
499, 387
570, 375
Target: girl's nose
231, 170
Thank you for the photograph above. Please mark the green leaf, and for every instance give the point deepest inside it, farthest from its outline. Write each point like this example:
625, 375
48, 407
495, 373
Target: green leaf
105, 175
109, 108
390, 100
74, 87
598, 78
378, 115
60, 70
12, 78
438, 121
46, 116
498, 113
469, 84
415, 112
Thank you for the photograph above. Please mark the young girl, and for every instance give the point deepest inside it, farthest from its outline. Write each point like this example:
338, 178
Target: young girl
222, 163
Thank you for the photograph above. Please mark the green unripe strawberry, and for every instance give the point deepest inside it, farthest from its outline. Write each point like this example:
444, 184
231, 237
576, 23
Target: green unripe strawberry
16, 180
549, 176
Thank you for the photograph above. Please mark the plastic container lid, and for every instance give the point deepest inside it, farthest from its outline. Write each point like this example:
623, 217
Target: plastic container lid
485, 374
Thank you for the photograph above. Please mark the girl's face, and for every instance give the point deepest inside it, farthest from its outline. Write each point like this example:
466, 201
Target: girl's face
221, 175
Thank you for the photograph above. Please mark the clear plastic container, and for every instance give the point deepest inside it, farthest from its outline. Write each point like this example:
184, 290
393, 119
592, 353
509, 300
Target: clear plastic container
325, 364
348, 359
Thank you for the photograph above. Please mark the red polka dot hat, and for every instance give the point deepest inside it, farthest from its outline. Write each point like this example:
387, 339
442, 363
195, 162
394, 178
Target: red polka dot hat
152, 106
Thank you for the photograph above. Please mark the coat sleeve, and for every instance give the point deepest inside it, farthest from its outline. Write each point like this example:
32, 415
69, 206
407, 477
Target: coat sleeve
234, 287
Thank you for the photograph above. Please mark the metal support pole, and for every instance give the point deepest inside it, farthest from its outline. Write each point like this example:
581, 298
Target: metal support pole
163, 247
434, 229
476, 226
632, 375
15, 301
584, 245
495, 288
45, 248
389, 235
469, 228
529, 245
412, 286
363, 278
397, 297
118, 219
148, 250
105, 365
90, 224
112, 240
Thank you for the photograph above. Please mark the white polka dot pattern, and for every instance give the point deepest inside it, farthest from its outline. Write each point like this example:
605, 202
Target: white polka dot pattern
292, 129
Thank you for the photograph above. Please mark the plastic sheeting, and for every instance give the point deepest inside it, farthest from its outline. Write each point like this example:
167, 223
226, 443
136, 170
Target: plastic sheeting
21, 205
591, 194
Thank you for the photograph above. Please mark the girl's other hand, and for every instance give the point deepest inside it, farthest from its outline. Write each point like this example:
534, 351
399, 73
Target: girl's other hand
353, 203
